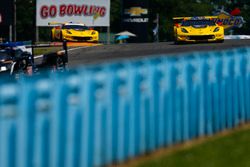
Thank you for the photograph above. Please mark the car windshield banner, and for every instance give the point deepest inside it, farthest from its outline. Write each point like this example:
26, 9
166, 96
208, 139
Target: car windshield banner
6, 12
89, 12
135, 18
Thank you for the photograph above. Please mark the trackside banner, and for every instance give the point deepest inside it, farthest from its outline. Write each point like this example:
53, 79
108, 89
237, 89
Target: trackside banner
135, 18
89, 12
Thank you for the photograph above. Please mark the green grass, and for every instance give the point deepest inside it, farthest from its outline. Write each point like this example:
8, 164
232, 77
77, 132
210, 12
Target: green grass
44, 50
226, 151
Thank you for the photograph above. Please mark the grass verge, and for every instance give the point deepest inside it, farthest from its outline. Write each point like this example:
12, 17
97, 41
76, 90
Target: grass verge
229, 149
45, 50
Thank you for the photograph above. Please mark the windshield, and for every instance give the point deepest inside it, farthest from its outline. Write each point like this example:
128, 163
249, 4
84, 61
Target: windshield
11, 52
75, 27
198, 23
4, 53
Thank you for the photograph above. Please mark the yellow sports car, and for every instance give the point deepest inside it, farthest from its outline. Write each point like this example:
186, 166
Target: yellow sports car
73, 32
197, 29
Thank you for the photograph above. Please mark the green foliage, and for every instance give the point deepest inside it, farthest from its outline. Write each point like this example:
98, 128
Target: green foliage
167, 9
25, 17
115, 15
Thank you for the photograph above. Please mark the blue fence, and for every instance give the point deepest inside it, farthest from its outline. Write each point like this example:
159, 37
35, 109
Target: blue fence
106, 114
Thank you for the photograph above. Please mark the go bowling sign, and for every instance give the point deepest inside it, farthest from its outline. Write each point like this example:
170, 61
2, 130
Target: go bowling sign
89, 12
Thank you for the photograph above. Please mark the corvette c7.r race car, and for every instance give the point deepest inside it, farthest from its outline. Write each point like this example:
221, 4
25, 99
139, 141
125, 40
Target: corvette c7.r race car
197, 29
77, 32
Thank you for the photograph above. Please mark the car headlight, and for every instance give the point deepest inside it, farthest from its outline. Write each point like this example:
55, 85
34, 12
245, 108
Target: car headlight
184, 30
68, 32
216, 29
93, 33
3, 68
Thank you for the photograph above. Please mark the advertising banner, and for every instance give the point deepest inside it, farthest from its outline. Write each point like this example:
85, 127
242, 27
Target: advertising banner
6, 12
229, 21
135, 18
89, 12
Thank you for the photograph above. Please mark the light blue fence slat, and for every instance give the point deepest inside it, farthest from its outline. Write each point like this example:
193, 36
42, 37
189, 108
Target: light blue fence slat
170, 97
26, 131
134, 96
203, 96
113, 94
220, 119
157, 92
229, 64
161, 116
74, 119
214, 106
194, 97
241, 65
187, 82
216, 94
247, 85
152, 84
211, 93
236, 116
59, 123
8, 125
42, 111
88, 101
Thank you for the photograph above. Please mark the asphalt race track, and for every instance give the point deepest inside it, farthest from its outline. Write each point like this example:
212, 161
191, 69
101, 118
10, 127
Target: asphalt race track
107, 53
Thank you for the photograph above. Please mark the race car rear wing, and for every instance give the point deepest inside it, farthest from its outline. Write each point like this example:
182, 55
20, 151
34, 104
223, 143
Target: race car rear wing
55, 24
65, 23
180, 19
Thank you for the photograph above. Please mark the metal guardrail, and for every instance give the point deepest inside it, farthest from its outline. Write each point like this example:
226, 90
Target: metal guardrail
105, 114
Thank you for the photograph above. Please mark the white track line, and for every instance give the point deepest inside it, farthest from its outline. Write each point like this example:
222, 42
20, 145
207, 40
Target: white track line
40, 56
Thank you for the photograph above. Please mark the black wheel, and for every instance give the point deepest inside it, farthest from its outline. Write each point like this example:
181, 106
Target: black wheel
52, 39
221, 41
61, 37
60, 63
176, 42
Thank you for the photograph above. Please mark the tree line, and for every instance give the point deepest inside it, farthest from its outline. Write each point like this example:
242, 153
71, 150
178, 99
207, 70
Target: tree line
167, 9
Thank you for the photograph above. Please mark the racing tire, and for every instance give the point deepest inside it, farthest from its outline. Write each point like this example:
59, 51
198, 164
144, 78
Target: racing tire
221, 41
60, 63
52, 39
61, 37
176, 42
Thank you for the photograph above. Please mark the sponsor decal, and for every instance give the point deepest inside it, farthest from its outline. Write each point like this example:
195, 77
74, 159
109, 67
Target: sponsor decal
198, 18
89, 12
229, 21
136, 15
136, 20
136, 11
72, 10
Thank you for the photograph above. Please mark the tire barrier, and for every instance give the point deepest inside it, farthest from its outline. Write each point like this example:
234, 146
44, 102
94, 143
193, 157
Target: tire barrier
106, 114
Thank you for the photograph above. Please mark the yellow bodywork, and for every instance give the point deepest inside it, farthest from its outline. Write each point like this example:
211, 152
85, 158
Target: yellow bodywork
189, 33
59, 33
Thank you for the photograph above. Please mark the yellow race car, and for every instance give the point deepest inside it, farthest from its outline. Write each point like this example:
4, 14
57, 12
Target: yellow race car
197, 29
77, 32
